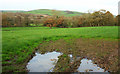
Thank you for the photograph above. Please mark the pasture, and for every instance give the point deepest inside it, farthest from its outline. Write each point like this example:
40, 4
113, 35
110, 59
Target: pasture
19, 43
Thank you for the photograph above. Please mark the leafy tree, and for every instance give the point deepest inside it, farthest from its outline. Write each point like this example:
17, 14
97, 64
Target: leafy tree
109, 19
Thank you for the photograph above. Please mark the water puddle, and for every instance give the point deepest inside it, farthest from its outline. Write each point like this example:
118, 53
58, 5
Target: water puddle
87, 66
47, 63
43, 62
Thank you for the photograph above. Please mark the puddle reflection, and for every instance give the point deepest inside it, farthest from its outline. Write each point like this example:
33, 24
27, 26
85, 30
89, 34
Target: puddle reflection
43, 62
87, 66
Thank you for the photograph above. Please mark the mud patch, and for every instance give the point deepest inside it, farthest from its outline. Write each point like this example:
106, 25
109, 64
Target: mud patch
104, 53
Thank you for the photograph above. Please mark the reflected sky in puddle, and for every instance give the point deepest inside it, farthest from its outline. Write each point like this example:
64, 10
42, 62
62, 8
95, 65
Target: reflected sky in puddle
43, 62
87, 66
46, 63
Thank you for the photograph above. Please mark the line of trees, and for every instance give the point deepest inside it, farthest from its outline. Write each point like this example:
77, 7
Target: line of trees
97, 18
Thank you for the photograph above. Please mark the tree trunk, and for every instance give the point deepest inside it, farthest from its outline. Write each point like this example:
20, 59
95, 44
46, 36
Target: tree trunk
50, 26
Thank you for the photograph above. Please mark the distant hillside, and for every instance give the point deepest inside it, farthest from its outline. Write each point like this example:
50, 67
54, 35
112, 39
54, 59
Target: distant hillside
49, 12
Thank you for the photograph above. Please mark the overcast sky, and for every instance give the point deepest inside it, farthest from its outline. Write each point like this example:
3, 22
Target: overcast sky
73, 5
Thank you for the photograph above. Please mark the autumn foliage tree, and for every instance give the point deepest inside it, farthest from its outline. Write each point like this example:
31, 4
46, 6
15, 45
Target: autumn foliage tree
54, 21
50, 22
99, 18
109, 19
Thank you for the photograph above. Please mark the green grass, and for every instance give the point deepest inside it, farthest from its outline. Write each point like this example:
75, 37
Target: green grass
18, 43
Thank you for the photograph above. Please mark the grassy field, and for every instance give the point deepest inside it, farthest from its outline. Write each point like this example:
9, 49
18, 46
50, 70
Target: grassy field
18, 43
49, 12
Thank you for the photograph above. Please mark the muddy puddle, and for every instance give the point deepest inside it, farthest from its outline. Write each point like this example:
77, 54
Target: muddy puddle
87, 66
43, 62
60, 62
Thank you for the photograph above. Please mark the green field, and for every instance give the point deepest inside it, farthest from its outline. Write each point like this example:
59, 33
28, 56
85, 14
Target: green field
19, 42
49, 12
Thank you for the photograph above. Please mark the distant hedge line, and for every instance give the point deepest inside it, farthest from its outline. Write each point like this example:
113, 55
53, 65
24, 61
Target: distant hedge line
20, 19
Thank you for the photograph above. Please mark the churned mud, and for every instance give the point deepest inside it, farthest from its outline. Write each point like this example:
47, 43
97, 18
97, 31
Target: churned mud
98, 54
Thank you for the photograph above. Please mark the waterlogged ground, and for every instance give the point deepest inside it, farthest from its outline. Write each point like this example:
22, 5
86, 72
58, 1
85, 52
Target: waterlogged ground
43, 62
75, 55
46, 63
